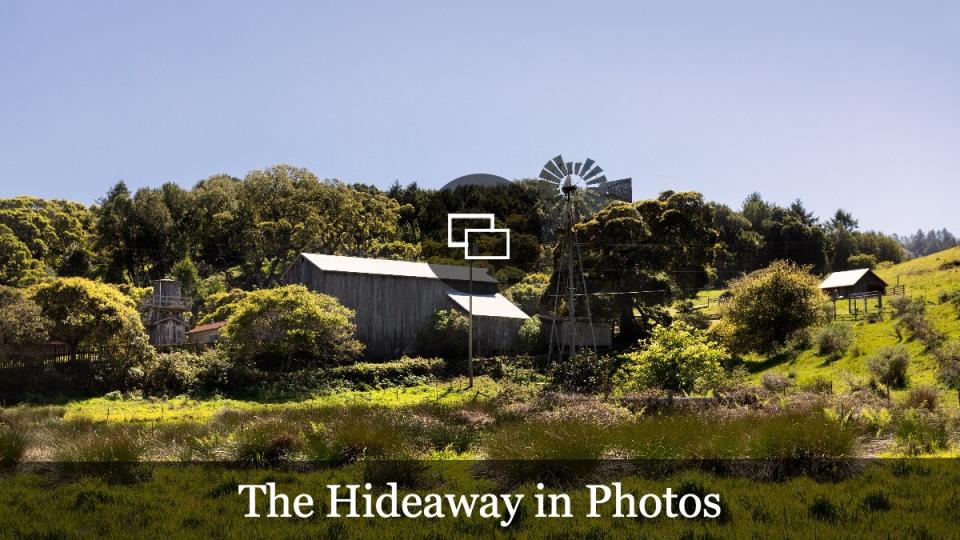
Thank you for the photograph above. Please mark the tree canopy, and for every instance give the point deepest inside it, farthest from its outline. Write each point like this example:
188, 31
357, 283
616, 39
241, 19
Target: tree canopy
86, 313
647, 253
21, 321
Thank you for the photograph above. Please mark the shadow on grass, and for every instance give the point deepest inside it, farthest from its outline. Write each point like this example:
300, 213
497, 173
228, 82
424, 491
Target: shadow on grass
756, 366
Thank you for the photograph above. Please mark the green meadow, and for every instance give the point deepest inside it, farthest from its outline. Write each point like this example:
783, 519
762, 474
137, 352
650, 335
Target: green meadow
925, 277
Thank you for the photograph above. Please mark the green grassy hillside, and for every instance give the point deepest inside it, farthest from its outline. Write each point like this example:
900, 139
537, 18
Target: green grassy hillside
925, 277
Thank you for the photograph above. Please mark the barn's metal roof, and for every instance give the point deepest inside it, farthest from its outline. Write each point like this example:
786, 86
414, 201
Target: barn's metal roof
387, 267
847, 278
488, 305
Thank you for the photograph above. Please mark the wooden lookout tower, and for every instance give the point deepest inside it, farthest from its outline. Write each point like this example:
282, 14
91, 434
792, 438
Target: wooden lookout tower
166, 312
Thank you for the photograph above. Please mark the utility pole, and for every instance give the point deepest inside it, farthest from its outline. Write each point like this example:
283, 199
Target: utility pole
470, 330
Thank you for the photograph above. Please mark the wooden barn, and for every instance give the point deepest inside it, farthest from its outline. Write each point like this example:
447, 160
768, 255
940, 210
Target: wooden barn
394, 300
853, 283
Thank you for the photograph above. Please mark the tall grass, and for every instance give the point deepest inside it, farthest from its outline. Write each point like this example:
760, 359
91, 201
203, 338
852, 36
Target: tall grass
12, 445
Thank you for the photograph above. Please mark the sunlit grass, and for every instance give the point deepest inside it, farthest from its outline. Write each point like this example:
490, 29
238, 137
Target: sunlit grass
452, 392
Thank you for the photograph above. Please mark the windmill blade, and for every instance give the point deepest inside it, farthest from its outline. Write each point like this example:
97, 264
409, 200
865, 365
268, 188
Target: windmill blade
549, 176
576, 168
621, 190
561, 166
587, 165
587, 172
569, 167
596, 170
551, 167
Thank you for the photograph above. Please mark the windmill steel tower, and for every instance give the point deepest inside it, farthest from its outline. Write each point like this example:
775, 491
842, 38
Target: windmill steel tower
572, 191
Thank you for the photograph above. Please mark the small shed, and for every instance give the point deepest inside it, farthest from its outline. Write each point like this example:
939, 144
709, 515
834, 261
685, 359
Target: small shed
853, 283
593, 334
205, 334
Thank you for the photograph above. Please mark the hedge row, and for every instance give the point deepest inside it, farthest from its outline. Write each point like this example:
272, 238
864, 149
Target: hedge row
389, 373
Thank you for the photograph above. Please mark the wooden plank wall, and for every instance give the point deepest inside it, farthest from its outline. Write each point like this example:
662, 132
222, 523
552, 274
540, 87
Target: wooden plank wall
390, 310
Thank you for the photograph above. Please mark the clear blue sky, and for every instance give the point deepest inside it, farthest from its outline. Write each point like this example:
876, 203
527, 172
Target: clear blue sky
853, 104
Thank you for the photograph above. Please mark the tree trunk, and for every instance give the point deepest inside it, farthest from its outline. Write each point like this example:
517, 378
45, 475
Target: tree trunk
629, 329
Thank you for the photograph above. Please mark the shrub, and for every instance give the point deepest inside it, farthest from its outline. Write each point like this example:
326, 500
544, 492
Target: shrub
528, 292
876, 501
166, 374
904, 306
675, 358
770, 304
445, 335
266, 442
585, 372
12, 445
912, 314
876, 421
922, 397
403, 372
823, 509
819, 385
288, 326
923, 330
216, 371
872, 417
948, 364
510, 275
530, 337
889, 366
775, 382
834, 339
919, 431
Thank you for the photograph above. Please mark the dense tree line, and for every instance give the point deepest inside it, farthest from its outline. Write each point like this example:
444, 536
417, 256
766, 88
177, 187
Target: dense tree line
762, 232
227, 233
924, 243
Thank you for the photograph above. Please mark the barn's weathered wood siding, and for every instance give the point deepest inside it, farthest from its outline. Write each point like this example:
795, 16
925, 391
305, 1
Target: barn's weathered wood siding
390, 310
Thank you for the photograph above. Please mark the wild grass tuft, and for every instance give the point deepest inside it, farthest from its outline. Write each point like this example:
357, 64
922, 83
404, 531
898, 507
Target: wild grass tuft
12, 445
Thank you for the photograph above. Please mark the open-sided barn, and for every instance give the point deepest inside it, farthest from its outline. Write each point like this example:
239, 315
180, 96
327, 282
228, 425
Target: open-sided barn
853, 282
394, 300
